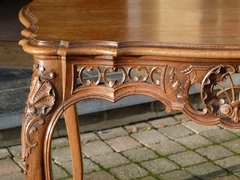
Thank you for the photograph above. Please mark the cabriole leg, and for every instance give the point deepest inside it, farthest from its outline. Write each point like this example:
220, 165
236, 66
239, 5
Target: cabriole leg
71, 120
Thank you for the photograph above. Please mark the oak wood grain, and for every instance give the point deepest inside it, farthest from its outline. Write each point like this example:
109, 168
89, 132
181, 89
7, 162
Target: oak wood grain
160, 48
172, 23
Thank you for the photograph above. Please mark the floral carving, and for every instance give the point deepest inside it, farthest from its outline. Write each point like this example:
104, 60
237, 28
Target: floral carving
181, 83
40, 102
220, 96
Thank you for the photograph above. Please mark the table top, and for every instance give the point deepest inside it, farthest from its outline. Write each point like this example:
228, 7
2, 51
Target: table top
195, 24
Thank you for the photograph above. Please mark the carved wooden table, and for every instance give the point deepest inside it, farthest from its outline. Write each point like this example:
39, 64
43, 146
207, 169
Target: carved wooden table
160, 48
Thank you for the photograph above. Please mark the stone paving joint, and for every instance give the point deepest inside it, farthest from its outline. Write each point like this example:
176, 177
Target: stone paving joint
145, 151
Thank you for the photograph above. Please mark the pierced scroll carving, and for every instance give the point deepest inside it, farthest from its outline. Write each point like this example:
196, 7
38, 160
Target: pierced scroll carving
113, 82
41, 100
219, 92
115, 76
221, 101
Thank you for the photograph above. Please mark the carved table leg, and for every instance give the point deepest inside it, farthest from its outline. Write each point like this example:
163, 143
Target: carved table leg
40, 101
71, 120
41, 110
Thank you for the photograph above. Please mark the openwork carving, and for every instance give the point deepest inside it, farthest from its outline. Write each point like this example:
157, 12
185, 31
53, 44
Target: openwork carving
40, 102
220, 96
115, 76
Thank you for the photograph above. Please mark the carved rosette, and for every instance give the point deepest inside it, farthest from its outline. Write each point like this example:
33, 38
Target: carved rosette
220, 96
40, 102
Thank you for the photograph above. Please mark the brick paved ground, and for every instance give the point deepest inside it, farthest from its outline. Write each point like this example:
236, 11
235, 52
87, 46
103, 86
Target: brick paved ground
168, 148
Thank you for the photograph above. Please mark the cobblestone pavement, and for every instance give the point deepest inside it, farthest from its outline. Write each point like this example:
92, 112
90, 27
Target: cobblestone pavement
171, 148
